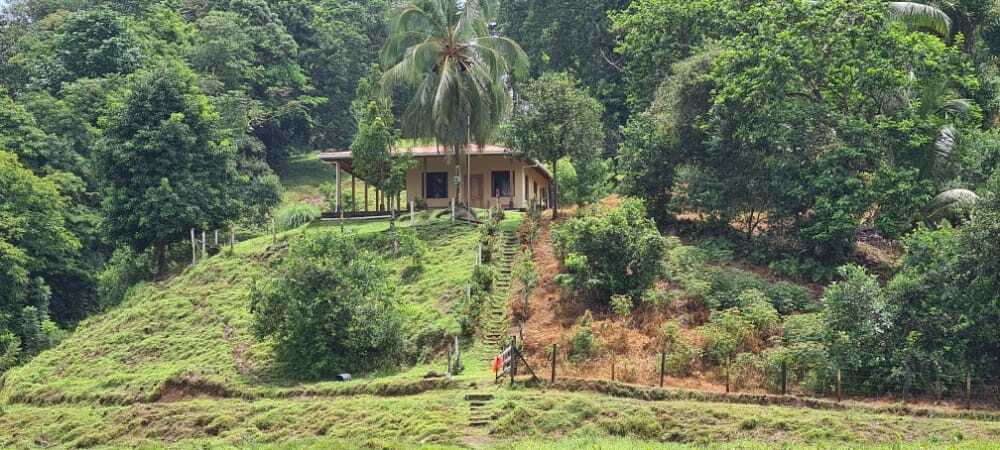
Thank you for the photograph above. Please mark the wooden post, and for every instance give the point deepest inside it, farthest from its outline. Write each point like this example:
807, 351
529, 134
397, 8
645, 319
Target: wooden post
453, 210
839, 392
413, 220
513, 358
729, 362
554, 350
216, 238
232, 238
274, 232
354, 199
663, 364
338, 188
449, 360
479, 255
906, 385
202, 243
366, 196
968, 390
784, 377
612, 366
194, 248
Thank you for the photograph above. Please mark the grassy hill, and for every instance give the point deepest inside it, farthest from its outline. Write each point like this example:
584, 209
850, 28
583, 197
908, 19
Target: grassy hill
176, 365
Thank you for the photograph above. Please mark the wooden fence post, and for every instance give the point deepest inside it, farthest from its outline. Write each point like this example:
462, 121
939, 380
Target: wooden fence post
612, 366
554, 350
784, 377
968, 389
513, 359
906, 385
202, 243
194, 248
232, 238
729, 362
663, 366
274, 232
449, 360
453, 210
413, 220
839, 391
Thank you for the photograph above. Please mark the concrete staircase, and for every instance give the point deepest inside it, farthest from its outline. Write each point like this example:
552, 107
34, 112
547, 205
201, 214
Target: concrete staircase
496, 320
480, 413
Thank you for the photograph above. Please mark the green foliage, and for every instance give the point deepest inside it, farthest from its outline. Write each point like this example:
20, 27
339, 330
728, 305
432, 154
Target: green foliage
161, 162
681, 350
555, 119
483, 276
857, 319
584, 342
621, 305
93, 43
373, 157
122, 272
726, 285
445, 51
330, 306
296, 215
610, 250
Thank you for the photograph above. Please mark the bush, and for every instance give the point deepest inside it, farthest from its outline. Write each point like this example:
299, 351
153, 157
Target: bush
124, 270
788, 298
726, 285
621, 305
482, 277
613, 250
330, 307
757, 311
584, 342
329, 191
680, 349
294, 216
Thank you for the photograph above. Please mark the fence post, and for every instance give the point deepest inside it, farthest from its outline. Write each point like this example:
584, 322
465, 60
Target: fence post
663, 365
449, 360
453, 210
906, 385
202, 243
839, 391
274, 232
216, 238
194, 249
729, 362
968, 389
479, 254
413, 220
784, 377
513, 359
232, 238
612, 366
554, 350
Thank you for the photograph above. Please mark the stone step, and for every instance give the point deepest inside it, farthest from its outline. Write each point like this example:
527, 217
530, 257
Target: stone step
477, 404
478, 397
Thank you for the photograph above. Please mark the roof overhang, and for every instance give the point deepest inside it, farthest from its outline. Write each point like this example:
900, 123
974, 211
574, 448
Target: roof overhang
344, 158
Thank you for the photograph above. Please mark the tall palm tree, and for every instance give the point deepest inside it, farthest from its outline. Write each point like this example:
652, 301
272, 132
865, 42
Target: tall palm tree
445, 50
921, 16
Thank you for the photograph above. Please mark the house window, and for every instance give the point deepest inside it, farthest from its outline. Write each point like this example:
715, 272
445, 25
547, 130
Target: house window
501, 184
437, 185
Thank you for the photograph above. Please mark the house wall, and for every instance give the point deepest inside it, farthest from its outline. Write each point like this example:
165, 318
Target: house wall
521, 190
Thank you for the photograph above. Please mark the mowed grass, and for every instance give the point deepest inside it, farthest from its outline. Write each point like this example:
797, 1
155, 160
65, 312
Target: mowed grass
528, 419
191, 333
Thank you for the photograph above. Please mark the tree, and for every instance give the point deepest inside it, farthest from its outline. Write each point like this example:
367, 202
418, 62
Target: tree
330, 307
555, 119
34, 242
374, 160
163, 165
92, 43
446, 50
857, 319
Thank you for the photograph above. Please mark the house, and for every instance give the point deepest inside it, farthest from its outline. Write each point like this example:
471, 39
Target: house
492, 172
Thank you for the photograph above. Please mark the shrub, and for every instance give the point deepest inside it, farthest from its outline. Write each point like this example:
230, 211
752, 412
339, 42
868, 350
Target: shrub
584, 342
330, 307
10, 350
788, 298
621, 305
294, 216
615, 250
329, 191
483, 276
746, 370
757, 311
680, 350
124, 270
727, 285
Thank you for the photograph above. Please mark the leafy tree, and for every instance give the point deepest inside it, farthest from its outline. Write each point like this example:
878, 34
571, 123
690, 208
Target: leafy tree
163, 166
95, 42
610, 250
329, 307
374, 160
857, 319
444, 48
555, 119
34, 241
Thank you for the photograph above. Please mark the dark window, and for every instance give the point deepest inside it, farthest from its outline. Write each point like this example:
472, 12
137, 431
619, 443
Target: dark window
437, 185
501, 184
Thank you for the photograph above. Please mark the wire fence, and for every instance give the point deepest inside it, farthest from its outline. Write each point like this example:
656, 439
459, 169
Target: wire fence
969, 390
